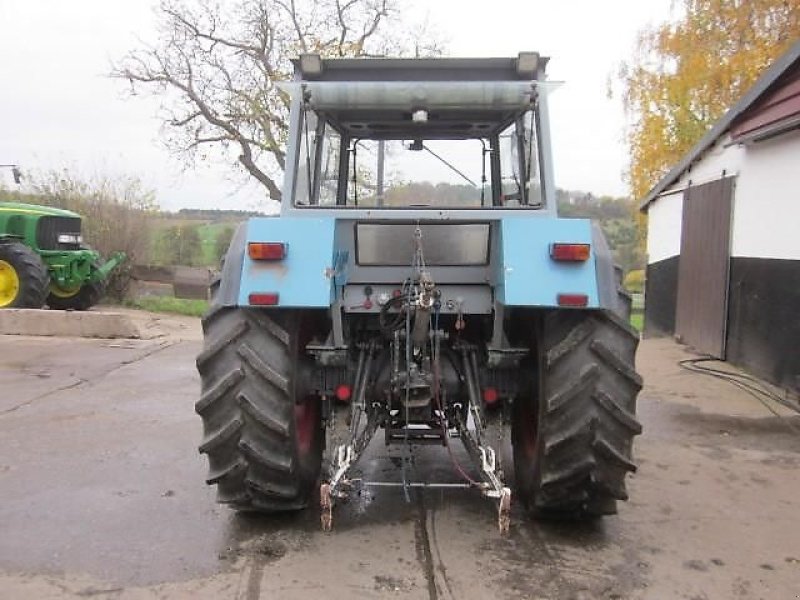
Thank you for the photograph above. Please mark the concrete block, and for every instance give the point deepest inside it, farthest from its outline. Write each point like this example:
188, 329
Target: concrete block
67, 323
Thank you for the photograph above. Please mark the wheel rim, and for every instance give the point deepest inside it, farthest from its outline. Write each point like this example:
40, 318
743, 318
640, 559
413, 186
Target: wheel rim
307, 411
529, 430
525, 439
9, 283
305, 423
62, 293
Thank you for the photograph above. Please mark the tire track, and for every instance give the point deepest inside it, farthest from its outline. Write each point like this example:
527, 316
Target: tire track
422, 545
440, 563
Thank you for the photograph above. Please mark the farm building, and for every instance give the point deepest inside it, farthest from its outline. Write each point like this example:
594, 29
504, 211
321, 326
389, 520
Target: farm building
723, 272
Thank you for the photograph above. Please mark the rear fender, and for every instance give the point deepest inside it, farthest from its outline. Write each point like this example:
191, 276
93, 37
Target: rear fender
302, 279
528, 276
607, 283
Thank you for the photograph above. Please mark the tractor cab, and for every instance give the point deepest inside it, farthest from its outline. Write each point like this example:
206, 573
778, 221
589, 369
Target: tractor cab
465, 134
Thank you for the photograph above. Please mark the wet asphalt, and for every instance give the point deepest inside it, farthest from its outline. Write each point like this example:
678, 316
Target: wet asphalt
102, 495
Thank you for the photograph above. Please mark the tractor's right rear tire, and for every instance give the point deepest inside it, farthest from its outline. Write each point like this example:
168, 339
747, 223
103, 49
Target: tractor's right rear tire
24, 279
262, 432
572, 432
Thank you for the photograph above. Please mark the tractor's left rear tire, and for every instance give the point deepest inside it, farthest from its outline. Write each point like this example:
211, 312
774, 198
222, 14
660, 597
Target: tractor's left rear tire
574, 422
87, 296
262, 429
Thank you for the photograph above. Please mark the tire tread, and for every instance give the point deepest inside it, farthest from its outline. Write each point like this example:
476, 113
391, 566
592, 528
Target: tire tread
247, 407
586, 416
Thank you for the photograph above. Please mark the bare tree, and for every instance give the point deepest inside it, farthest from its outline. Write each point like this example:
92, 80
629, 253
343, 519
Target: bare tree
217, 67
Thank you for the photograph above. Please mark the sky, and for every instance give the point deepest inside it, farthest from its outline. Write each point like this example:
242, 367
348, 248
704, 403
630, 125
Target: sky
59, 109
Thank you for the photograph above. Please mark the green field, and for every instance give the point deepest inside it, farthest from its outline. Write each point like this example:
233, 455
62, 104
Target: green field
208, 240
207, 231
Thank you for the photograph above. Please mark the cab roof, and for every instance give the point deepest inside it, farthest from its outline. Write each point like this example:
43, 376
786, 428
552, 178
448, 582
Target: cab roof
526, 66
454, 98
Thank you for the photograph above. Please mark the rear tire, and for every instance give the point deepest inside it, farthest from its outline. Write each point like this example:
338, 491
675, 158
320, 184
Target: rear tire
262, 432
23, 277
573, 430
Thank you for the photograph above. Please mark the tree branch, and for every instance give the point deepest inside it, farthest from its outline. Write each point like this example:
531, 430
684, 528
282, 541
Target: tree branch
216, 72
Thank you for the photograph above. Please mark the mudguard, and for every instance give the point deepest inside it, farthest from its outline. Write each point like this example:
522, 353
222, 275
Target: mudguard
303, 279
530, 277
607, 280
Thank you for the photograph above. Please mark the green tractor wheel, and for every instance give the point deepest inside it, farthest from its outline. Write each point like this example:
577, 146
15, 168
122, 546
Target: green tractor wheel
82, 298
23, 277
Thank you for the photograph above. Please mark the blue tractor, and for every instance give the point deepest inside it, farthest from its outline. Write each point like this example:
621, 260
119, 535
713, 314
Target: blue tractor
419, 282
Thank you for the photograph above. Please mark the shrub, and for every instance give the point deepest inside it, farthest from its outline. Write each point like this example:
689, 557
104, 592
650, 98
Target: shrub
634, 280
179, 245
222, 242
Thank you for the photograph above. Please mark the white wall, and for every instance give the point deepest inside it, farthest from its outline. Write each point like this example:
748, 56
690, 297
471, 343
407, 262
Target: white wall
766, 209
766, 213
720, 160
664, 227
664, 214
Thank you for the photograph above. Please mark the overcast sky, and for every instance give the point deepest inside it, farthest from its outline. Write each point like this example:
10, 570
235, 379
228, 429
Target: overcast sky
58, 109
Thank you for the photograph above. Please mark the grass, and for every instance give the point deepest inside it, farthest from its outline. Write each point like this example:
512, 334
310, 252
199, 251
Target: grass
637, 310
208, 240
637, 301
167, 304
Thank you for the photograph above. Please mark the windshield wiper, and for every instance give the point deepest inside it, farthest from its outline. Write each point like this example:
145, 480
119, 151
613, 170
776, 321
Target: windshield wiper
447, 164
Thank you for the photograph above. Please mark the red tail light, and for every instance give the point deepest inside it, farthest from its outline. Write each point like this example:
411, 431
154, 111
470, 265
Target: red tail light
263, 299
266, 250
570, 252
343, 392
573, 300
490, 396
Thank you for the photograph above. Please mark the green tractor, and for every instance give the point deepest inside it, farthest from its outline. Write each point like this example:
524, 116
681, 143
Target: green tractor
43, 260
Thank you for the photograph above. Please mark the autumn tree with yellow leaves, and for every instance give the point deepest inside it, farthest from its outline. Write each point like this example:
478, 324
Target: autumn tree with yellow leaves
686, 73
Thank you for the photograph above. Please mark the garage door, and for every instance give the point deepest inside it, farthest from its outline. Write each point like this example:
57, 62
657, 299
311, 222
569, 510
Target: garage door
702, 308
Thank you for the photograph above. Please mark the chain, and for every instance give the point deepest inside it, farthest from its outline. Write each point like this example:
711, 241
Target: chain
418, 262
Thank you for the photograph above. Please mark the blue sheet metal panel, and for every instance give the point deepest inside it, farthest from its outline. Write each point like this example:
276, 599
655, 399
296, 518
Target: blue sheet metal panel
303, 278
529, 276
